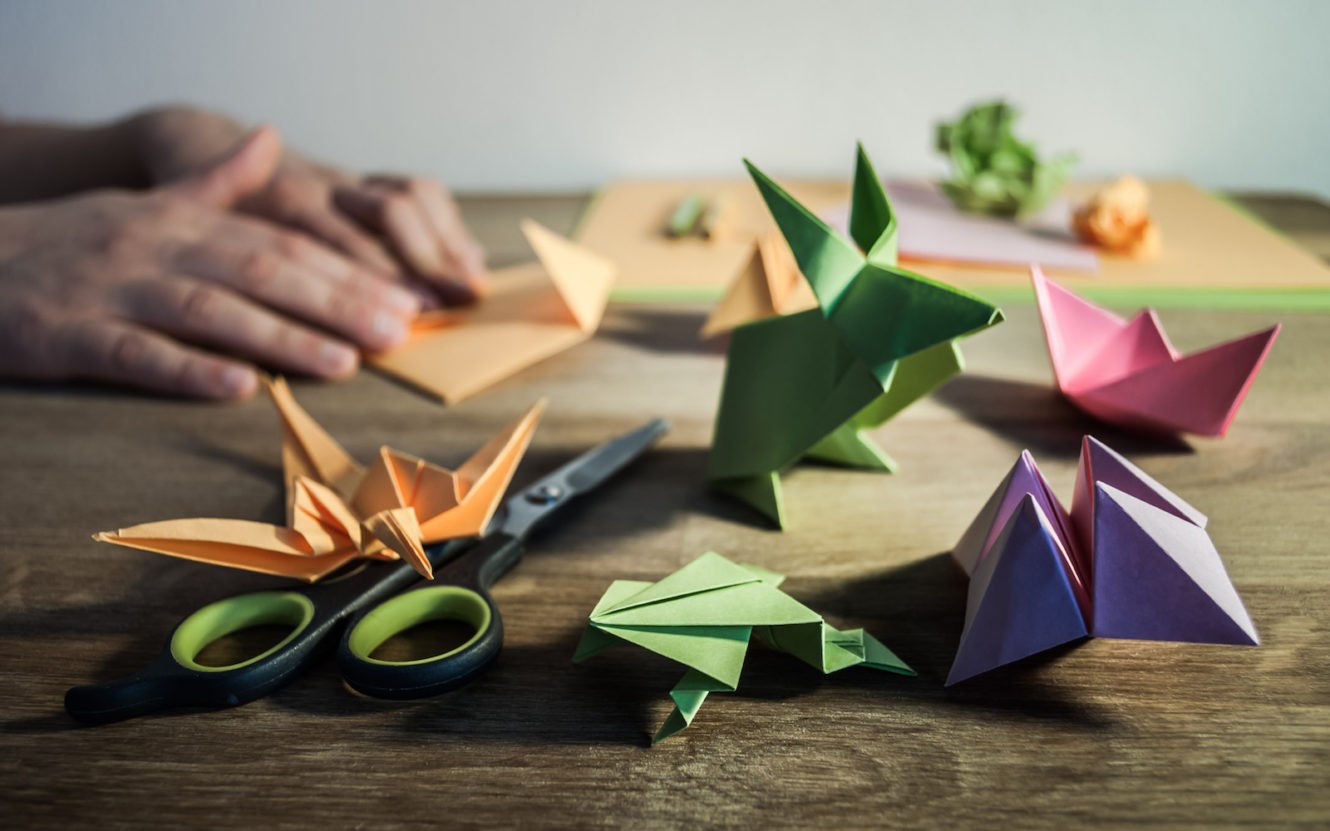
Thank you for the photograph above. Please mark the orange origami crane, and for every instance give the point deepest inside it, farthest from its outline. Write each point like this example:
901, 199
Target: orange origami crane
1126, 372
338, 510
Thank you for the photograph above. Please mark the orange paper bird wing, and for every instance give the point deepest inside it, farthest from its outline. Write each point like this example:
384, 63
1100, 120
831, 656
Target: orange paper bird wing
238, 543
307, 449
482, 481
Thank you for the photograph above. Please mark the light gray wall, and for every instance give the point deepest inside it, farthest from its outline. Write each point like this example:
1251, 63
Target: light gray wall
563, 94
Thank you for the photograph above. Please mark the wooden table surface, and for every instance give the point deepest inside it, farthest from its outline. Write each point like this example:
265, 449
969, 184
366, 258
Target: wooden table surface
1108, 733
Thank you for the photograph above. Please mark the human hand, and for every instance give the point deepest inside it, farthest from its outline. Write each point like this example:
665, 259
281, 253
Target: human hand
389, 223
149, 289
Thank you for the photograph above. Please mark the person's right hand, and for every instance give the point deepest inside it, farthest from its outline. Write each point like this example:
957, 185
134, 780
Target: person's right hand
157, 289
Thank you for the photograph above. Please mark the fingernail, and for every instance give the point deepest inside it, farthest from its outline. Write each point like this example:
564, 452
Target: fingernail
336, 359
402, 300
388, 329
238, 382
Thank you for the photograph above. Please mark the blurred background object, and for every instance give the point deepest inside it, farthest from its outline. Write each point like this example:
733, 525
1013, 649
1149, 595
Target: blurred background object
527, 96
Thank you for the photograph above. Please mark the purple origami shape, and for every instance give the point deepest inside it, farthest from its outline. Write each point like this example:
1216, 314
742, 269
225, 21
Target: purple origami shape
1131, 560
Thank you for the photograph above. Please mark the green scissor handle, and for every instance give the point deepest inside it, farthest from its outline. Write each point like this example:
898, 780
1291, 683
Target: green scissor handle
460, 593
177, 679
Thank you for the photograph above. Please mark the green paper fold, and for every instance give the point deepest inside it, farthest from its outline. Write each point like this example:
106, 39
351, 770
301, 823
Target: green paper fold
704, 616
812, 383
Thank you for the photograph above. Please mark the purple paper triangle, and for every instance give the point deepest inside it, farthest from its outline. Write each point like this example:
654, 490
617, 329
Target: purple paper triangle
1023, 478
1020, 599
1158, 577
1100, 463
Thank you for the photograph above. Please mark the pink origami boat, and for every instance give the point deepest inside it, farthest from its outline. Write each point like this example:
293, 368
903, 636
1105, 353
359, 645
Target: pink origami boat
1126, 372
1131, 560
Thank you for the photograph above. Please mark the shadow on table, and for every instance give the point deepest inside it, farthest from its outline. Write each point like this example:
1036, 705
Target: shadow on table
918, 611
662, 330
1038, 418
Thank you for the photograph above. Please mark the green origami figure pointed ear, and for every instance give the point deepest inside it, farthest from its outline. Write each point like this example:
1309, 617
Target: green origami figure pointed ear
872, 222
827, 260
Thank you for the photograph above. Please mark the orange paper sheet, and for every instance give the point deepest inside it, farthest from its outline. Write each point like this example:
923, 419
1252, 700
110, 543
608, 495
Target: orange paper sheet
626, 223
339, 510
534, 311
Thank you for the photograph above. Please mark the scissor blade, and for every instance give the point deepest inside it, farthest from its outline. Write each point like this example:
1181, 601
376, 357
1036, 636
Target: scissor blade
587, 472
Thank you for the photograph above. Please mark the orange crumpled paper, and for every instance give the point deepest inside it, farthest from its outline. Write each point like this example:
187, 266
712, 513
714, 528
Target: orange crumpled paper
1117, 218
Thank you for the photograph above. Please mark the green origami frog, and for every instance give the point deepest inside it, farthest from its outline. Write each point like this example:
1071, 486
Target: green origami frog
705, 614
810, 384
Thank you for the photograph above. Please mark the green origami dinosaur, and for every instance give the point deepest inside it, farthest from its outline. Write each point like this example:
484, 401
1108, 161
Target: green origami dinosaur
703, 616
810, 384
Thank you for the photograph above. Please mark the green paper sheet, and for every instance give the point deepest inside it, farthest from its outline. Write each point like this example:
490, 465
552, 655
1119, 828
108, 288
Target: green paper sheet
704, 616
812, 383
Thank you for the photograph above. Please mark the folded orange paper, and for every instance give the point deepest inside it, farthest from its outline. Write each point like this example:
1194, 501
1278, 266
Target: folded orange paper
770, 284
338, 510
534, 311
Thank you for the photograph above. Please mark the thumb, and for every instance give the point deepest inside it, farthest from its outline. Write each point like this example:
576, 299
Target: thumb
243, 171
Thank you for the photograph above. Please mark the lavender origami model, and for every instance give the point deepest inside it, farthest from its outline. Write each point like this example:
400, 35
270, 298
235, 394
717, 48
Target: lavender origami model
1126, 372
1131, 560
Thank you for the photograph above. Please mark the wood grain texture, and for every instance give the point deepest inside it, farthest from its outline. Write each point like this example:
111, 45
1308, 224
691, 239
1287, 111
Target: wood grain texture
1104, 734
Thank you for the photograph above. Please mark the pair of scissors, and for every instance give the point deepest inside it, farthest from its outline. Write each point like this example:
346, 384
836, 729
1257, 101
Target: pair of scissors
374, 603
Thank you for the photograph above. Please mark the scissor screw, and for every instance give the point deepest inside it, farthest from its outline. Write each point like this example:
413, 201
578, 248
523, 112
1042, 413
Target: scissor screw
544, 495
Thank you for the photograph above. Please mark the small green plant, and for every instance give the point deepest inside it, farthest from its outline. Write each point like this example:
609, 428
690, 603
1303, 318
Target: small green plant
993, 172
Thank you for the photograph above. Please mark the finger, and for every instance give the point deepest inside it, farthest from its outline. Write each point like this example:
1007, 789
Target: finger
208, 314
325, 224
402, 220
124, 353
26, 325
293, 274
452, 234
243, 171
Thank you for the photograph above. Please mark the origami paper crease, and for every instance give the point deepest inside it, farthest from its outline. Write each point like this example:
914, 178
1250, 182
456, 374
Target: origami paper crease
810, 384
1126, 372
338, 511
1130, 560
704, 616
534, 311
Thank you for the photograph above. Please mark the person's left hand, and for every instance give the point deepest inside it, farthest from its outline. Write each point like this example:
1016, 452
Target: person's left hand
406, 227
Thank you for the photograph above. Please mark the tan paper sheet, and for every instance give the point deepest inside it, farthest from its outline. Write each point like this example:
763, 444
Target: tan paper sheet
1207, 243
